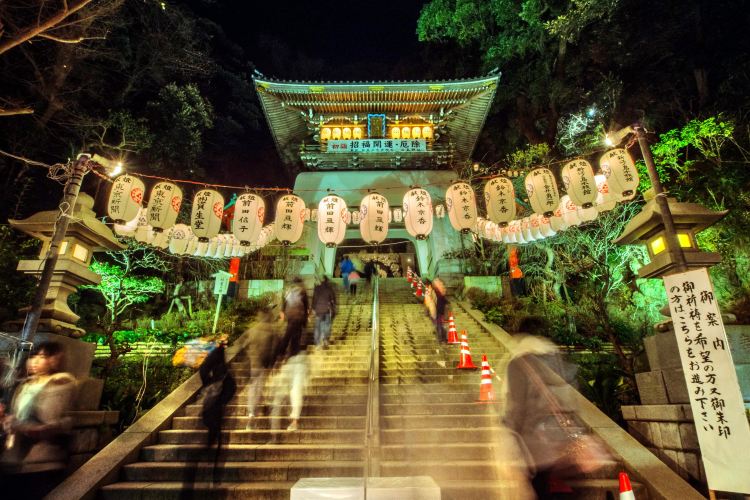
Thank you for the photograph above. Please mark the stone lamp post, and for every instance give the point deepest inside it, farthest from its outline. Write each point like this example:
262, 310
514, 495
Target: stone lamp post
664, 420
85, 235
648, 228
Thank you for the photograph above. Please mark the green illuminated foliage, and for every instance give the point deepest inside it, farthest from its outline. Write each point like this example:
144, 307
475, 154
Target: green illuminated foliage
120, 290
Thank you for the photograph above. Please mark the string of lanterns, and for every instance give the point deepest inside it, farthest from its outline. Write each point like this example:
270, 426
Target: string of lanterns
586, 196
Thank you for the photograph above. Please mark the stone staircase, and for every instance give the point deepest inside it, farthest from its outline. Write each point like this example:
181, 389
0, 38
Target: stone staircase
262, 462
431, 423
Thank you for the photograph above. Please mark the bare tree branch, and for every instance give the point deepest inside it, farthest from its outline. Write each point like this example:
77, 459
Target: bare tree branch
16, 111
41, 26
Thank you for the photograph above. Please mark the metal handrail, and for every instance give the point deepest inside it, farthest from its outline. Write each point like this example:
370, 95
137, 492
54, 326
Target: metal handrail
372, 434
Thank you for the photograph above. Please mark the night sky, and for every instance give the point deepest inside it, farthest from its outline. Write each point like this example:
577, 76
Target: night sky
335, 40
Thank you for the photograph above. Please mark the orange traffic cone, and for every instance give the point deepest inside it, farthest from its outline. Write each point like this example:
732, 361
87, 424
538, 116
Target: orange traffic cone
408, 275
626, 490
452, 334
486, 392
419, 289
464, 362
450, 318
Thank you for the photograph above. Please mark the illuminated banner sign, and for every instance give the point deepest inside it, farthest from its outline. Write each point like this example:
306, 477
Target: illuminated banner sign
378, 146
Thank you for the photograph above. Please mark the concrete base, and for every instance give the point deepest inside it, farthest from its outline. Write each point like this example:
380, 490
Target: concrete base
378, 488
326, 488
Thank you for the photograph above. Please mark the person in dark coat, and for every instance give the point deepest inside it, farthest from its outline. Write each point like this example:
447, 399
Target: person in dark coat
441, 303
218, 388
295, 310
261, 357
324, 307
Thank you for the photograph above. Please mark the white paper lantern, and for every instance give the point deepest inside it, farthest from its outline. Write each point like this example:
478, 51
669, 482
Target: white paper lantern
161, 238
267, 235
201, 249
128, 229
290, 215
164, 205
192, 244
332, 215
418, 213
125, 198
536, 233
208, 209
181, 234
605, 201
461, 205
545, 227
587, 214
579, 182
249, 213
228, 244
526, 229
514, 231
500, 198
570, 212
144, 233
213, 244
541, 188
622, 176
374, 213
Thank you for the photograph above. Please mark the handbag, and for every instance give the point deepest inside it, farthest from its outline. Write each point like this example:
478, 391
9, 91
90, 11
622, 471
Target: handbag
583, 453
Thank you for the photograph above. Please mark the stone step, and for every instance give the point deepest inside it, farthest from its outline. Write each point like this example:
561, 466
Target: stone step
149, 490
462, 421
265, 422
240, 471
431, 388
252, 452
337, 436
308, 409
441, 409
427, 435
443, 469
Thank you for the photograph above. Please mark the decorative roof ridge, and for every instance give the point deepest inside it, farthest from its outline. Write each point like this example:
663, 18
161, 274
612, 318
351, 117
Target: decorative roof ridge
492, 75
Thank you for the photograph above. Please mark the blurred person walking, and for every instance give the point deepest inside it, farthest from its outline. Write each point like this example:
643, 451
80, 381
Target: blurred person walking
261, 354
540, 412
217, 389
35, 455
324, 307
295, 310
347, 266
354, 278
441, 303
290, 382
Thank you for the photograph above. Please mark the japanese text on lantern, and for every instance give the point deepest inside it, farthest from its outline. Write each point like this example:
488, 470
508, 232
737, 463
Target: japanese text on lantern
715, 397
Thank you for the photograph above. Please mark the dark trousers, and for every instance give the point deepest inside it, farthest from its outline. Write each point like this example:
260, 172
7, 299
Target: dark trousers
442, 335
292, 336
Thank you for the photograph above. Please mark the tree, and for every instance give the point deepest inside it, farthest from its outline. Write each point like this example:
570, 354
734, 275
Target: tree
122, 286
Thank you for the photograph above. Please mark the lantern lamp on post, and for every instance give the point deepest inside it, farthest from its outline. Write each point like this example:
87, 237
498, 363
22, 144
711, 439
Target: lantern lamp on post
648, 228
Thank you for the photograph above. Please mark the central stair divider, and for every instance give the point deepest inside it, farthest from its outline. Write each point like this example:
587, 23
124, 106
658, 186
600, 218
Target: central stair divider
372, 434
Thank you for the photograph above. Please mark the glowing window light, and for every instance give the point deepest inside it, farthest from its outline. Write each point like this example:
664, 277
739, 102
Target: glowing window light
346, 133
337, 133
63, 248
325, 133
427, 132
357, 132
80, 252
406, 133
395, 133
416, 132
658, 245
684, 240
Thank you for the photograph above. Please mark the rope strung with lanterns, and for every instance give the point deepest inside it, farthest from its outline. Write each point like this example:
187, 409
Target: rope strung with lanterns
586, 196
